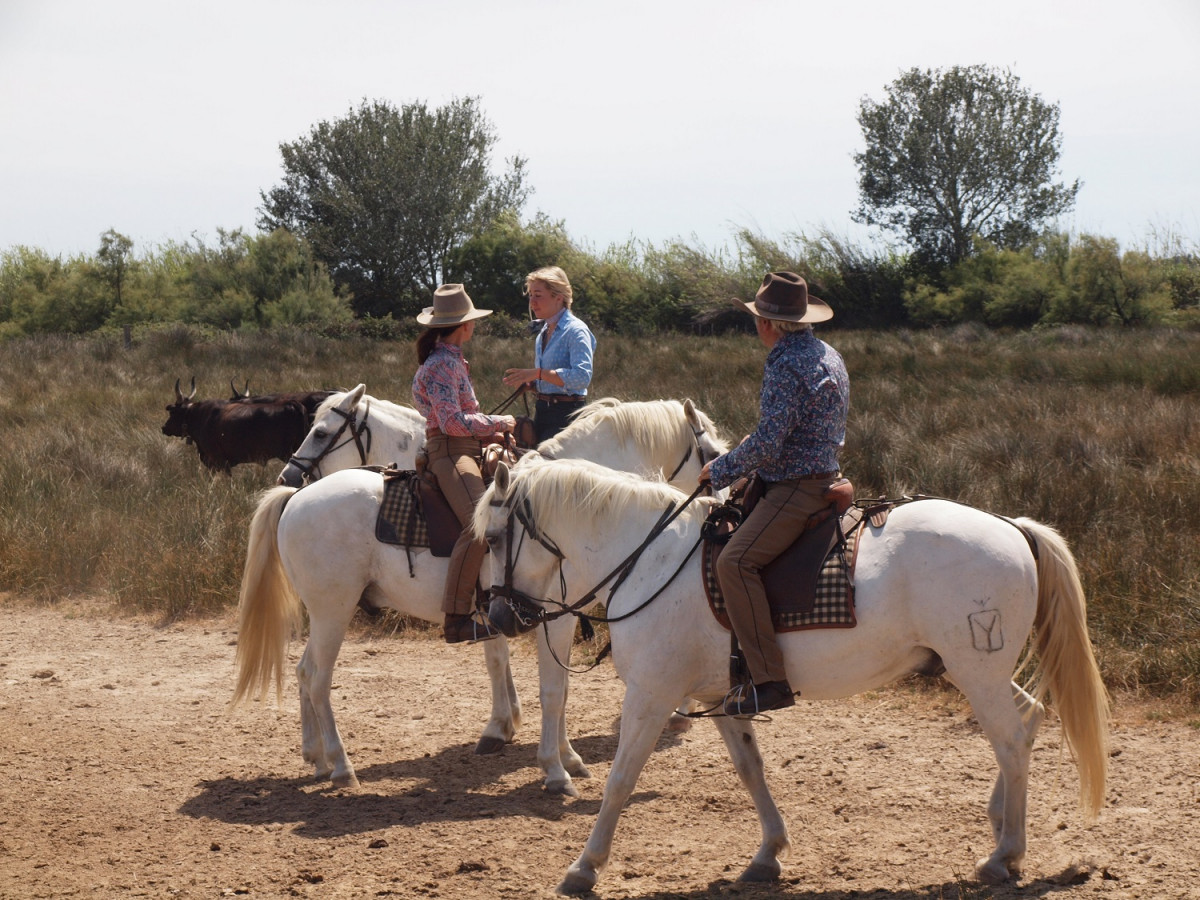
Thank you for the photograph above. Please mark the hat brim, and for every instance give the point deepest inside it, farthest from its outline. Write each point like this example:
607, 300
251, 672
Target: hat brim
818, 311
426, 317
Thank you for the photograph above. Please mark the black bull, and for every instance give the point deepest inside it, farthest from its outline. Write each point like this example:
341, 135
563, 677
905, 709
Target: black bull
228, 433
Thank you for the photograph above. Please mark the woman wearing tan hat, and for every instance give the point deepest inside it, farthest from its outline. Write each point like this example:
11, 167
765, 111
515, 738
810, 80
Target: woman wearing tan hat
455, 431
794, 449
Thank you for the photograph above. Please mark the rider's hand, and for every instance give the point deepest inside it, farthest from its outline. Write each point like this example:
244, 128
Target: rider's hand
706, 473
515, 378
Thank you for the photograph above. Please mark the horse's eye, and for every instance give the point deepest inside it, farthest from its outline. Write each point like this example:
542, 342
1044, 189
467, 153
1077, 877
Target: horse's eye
321, 433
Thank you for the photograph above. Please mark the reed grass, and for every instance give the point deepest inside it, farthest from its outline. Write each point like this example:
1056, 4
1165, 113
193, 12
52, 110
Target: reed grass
1094, 432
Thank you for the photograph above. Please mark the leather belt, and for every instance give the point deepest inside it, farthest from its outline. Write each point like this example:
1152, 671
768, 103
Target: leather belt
431, 433
815, 476
560, 398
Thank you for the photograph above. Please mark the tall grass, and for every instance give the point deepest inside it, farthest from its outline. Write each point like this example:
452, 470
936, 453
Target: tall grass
1094, 432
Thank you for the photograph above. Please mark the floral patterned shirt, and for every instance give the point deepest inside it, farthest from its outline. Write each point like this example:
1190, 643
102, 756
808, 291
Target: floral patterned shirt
443, 394
802, 415
568, 352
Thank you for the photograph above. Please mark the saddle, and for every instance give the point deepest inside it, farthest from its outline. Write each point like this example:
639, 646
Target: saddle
415, 512
811, 584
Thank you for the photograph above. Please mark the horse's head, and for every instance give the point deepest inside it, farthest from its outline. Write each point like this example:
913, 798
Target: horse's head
339, 439
549, 523
523, 561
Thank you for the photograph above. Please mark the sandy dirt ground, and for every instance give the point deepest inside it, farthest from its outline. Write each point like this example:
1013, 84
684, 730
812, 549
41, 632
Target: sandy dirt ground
122, 774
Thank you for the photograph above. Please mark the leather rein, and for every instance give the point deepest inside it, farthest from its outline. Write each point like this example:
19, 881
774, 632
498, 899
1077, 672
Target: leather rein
357, 432
530, 612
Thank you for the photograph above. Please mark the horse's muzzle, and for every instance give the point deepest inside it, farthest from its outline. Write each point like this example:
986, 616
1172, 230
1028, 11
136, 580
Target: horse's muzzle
513, 614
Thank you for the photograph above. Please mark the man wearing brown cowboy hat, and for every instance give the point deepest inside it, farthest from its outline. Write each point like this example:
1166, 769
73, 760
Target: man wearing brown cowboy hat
794, 449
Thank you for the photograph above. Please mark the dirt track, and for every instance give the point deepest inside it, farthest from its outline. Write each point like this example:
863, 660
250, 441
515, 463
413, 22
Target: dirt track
123, 776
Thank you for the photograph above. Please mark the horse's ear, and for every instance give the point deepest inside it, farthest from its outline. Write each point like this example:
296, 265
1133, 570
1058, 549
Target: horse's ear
357, 394
689, 413
501, 481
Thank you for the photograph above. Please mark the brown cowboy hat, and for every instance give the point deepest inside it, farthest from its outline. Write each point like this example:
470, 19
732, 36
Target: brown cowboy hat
451, 306
784, 296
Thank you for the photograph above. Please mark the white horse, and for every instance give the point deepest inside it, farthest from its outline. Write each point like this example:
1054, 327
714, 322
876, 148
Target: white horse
352, 428
940, 584
316, 548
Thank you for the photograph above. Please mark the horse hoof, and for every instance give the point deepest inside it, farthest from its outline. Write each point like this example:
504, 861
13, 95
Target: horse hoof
760, 872
579, 770
489, 745
991, 873
562, 788
349, 781
576, 884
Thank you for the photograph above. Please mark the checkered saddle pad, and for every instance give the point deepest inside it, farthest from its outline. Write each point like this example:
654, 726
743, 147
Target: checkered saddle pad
400, 520
813, 593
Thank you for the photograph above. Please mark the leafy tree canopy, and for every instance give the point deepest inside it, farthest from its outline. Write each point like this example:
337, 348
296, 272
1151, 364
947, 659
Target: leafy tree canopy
959, 154
384, 196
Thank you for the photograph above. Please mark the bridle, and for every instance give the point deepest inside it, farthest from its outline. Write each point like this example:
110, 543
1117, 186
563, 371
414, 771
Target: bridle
697, 434
530, 612
357, 431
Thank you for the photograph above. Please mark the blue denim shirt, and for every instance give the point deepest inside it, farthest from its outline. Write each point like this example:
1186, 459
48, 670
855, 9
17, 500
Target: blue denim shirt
569, 353
802, 415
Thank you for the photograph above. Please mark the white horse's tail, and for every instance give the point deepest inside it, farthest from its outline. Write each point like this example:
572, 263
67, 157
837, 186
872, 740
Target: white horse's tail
1066, 666
268, 609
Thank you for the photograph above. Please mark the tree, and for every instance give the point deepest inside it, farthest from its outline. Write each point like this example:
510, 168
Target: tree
114, 262
494, 263
385, 195
958, 154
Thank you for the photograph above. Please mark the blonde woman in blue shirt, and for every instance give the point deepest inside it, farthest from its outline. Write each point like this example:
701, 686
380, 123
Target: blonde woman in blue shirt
562, 355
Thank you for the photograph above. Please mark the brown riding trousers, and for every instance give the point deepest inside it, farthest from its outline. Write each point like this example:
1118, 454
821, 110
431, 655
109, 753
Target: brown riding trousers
454, 462
772, 526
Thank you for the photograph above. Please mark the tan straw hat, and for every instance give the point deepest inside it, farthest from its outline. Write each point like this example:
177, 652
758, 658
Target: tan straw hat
451, 306
784, 296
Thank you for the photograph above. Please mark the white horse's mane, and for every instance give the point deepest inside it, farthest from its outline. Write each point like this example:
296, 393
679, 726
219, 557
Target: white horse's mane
651, 425
558, 492
395, 410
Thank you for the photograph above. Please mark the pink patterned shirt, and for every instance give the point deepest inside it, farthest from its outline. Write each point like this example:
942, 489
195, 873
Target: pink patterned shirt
443, 394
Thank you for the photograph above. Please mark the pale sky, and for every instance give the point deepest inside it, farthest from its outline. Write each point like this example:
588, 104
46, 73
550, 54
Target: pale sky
652, 120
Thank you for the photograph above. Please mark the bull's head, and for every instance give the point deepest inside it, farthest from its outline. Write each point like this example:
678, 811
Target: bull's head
176, 424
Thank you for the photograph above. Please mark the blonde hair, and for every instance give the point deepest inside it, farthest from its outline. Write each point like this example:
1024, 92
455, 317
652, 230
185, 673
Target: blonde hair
555, 279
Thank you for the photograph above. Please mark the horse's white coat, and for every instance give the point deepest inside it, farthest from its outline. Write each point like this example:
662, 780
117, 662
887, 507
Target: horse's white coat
317, 547
921, 581
394, 436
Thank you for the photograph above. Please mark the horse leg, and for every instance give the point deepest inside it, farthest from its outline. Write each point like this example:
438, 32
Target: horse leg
739, 738
643, 715
506, 706
315, 673
1032, 715
556, 756
311, 745
1011, 737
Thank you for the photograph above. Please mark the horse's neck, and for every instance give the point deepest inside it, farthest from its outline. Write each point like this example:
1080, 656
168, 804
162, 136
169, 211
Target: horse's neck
392, 426
625, 456
596, 552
